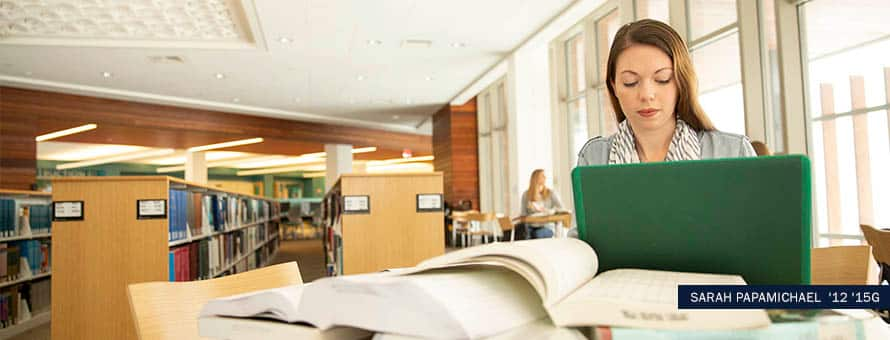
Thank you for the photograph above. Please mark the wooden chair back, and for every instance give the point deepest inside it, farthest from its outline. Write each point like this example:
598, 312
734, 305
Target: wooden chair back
169, 310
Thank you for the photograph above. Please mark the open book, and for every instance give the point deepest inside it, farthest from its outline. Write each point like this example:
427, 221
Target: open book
486, 290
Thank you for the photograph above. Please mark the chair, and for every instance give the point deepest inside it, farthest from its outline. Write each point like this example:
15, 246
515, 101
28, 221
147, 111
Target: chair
459, 225
879, 240
479, 224
507, 225
169, 310
843, 265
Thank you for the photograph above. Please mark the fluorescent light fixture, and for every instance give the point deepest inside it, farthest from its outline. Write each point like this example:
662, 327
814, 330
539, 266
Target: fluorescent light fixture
404, 167
107, 74
280, 162
280, 170
65, 132
118, 158
225, 144
354, 151
401, 160
219, 163
314, 174
360, 78
220, 76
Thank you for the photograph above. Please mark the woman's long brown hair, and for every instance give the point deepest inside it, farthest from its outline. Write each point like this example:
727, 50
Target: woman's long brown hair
660, 35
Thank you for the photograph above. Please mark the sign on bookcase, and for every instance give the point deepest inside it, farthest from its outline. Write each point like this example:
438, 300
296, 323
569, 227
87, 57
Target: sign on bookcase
68, 211
151, 209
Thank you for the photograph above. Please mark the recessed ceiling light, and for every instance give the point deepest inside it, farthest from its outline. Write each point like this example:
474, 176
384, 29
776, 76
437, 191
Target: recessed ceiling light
429, 78
360, 78
416, 43
284, 40
220, 76
374, 42
236, 100
395, 116
458, 44
106, 74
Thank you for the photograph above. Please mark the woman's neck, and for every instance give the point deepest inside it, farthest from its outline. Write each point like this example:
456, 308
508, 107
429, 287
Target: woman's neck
652, 146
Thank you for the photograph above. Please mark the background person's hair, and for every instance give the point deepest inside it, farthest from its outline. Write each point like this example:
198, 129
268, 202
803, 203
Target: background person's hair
660, 35
532, 193
760, 148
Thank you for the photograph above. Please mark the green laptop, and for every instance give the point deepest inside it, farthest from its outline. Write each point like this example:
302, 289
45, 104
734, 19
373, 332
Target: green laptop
745, 216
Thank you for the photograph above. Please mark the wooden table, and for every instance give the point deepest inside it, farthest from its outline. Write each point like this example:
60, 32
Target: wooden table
564, 217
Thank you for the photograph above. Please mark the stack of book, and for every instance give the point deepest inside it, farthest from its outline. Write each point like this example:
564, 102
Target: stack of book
548, 287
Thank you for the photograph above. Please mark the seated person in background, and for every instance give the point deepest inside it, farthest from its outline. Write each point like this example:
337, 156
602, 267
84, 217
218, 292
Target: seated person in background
652, 88
539, 200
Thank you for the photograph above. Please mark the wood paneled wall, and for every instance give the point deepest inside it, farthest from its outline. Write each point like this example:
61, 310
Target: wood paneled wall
25, 114
18, 150
456, 150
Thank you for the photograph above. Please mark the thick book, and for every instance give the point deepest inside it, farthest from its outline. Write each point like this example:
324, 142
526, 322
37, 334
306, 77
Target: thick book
485, 290
787, 324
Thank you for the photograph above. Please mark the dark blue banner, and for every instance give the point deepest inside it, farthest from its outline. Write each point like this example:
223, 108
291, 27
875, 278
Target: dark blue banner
782, 297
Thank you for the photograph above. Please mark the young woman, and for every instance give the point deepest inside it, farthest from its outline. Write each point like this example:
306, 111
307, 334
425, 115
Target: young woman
653, 90
539, 200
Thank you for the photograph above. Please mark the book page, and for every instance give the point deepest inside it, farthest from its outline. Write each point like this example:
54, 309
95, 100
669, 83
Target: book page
541, 329
277, 303
448, 303
563, 263
648, 298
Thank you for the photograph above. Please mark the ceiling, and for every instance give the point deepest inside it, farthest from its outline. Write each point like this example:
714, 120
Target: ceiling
346, 62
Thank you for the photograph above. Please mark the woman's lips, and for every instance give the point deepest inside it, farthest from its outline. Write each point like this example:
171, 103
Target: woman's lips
647, 112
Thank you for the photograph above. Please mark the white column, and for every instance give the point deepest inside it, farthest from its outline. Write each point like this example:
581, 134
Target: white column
339, 161
196, 167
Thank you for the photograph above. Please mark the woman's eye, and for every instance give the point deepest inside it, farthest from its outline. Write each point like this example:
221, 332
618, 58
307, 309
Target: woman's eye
663, 81
630, 84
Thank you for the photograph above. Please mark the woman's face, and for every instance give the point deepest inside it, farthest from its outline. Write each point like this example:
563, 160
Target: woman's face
646, 88
541, 180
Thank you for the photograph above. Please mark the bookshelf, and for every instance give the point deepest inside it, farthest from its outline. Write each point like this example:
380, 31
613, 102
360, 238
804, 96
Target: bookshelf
24, 253
354, 241
199, 233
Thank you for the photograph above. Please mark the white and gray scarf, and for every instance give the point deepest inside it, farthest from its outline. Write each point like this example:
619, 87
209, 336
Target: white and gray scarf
684, 145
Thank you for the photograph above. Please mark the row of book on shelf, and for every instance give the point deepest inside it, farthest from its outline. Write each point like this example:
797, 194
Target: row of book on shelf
331, 214
18, 303
16, 217
209, 257
15, 256
205, 213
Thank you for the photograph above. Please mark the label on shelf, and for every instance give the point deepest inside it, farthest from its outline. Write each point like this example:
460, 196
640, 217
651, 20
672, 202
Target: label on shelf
357, 204
149, 209
429, 202
68, 211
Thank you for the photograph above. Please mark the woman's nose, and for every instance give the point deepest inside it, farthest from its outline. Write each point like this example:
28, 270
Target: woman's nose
647, 91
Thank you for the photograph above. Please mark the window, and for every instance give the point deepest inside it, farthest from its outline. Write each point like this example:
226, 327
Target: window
493, 150
713, 40
848, 86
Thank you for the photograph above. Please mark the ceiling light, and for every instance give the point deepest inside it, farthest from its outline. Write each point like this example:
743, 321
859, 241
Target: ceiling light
220, 76
280, 162
74, 152
360, 78
458, 44
106, 74
225, 144
118, 158
284, 40
405, 167
374, 42
314, 174
236, 100
401, 160
429, 78
65, 132
416, 43
280, 170
354, 151
218, 163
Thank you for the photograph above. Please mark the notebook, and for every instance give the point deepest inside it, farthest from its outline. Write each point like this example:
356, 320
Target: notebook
745, 216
